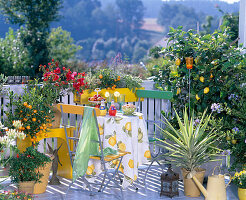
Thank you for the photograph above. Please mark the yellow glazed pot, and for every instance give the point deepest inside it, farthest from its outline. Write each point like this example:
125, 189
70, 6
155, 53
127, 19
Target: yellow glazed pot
241, 194
130, 96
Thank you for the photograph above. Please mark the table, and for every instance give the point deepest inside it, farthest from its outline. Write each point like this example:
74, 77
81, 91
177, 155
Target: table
125, 133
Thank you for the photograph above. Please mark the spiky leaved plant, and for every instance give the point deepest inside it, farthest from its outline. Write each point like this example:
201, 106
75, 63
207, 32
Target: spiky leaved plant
192, 145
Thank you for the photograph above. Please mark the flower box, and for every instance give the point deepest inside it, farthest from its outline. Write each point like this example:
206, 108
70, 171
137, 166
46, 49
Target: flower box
130, 95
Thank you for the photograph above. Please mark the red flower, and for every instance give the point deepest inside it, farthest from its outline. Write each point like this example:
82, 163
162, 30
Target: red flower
56, 84
17, 156
47, 69
49, 63
57, 70
56, 77
53, 60
83, 74
64, 68
57, 64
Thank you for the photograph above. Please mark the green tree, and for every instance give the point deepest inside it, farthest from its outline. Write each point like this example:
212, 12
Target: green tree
36, 16
175, 15
13, 56
61, 45
131, 14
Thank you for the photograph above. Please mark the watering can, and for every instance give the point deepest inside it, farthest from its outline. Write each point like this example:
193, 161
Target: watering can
216, 188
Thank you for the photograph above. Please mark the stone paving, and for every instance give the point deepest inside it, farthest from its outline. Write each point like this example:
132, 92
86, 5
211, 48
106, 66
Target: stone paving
151, 192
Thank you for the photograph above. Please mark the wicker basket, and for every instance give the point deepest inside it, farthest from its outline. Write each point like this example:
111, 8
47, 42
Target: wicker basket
26, 186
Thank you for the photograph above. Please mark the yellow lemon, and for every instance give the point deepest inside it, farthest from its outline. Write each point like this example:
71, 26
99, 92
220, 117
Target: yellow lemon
128, 126
114, 162
92, 167
89, 171
131, 163
197, 97
178, 91
206, 90
121, 170
202, 79
147, 154
112, 141
101, 130
177, 62
122, 147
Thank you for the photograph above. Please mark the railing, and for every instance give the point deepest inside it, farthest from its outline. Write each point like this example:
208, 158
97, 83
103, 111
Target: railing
151, 108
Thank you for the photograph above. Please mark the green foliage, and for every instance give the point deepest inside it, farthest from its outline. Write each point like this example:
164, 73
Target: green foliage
191, 145
3, 80
24, 167
32, 108
174, 15
61, 45
13, 56
131, 14
217, 80
35, 15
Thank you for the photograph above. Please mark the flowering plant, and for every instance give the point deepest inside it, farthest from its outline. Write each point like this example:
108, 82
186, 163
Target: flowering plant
240, 179
8, 137
24, 167
62, 79
14, 195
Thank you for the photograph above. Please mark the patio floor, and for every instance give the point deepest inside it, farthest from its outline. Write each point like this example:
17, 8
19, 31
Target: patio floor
152, 190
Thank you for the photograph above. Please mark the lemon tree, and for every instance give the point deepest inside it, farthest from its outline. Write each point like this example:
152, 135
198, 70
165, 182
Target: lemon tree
217, 81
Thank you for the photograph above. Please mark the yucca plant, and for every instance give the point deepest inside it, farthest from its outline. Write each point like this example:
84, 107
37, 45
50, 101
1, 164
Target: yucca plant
192, 145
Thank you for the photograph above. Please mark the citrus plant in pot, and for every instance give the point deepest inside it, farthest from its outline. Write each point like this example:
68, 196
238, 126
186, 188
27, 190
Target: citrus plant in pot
190, 146
24, 169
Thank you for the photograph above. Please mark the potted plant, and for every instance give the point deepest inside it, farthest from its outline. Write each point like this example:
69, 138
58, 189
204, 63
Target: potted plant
24, 168
190, 146
32, 109
240, 180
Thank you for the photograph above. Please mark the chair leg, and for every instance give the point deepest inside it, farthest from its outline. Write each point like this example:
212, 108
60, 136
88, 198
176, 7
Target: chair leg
104, 177
70, 185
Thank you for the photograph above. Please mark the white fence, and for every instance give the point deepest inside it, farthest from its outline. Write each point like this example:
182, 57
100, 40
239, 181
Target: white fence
151, 109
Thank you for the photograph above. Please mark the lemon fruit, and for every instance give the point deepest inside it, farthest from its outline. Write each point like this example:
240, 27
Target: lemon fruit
128, 126
121, 170
197, 97
131, 163
202, 79
178, 91
233, 141
206, 90
122, 147
177, 62
89, 170
112, 141
147, 154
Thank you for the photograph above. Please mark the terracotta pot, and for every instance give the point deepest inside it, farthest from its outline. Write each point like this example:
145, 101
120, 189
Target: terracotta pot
57, 117
241, 194
26, 186
190, 187
40, 187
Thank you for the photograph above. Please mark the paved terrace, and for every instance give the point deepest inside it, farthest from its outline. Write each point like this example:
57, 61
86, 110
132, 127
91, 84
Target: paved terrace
151, 192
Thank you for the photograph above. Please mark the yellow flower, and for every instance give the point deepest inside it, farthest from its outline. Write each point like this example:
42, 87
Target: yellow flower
211, 75
177, 62
131, 163
178, 91
89, 170
206, 90
197, 97
202, 79
106, 94
116, 94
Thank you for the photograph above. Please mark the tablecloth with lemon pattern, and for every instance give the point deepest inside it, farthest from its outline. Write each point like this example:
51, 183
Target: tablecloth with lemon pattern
125, 133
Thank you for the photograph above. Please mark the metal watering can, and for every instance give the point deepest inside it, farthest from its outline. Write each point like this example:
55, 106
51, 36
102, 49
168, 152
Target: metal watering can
216, 188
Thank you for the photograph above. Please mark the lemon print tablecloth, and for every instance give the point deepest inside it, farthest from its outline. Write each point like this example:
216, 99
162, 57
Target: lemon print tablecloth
125, 133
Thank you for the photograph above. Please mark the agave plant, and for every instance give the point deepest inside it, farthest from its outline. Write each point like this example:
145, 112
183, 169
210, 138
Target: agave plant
192, 145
